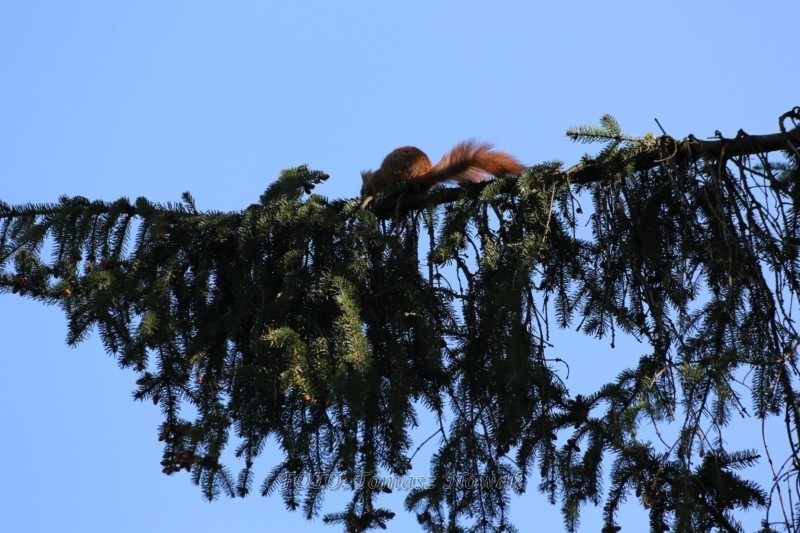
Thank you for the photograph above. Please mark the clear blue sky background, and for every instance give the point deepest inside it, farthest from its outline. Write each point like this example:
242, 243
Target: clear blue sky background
109, 98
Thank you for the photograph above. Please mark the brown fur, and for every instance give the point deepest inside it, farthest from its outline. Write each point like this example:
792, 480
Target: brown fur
469, 161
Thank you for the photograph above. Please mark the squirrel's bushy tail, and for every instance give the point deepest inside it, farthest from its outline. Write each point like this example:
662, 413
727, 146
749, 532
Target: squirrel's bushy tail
471, 161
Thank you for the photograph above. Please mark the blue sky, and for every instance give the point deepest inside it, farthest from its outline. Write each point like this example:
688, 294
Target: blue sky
109, 98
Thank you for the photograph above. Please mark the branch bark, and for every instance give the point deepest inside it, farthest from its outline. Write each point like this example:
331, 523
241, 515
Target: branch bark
693, 149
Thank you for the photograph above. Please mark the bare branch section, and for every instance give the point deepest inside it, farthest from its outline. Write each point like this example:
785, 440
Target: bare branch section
692, 149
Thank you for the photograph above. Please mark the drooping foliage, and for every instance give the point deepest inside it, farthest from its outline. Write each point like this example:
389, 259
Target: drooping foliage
327, 325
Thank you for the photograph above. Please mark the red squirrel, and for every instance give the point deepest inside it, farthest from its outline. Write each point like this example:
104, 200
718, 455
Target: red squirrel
470, 161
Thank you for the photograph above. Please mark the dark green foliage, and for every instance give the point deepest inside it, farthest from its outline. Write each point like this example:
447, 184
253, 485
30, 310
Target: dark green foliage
314, 322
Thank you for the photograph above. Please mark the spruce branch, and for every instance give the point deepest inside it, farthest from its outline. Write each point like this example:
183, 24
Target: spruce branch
641, 156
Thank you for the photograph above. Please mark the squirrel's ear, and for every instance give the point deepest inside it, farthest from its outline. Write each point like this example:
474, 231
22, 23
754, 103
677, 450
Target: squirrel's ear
366, 183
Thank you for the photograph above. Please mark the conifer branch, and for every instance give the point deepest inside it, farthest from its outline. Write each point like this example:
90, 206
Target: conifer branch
666, 148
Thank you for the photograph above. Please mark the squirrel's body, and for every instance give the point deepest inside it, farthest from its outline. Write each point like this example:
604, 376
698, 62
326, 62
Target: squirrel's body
469, 161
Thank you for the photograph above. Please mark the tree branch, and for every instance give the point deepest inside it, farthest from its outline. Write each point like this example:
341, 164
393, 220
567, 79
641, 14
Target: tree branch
680, 152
